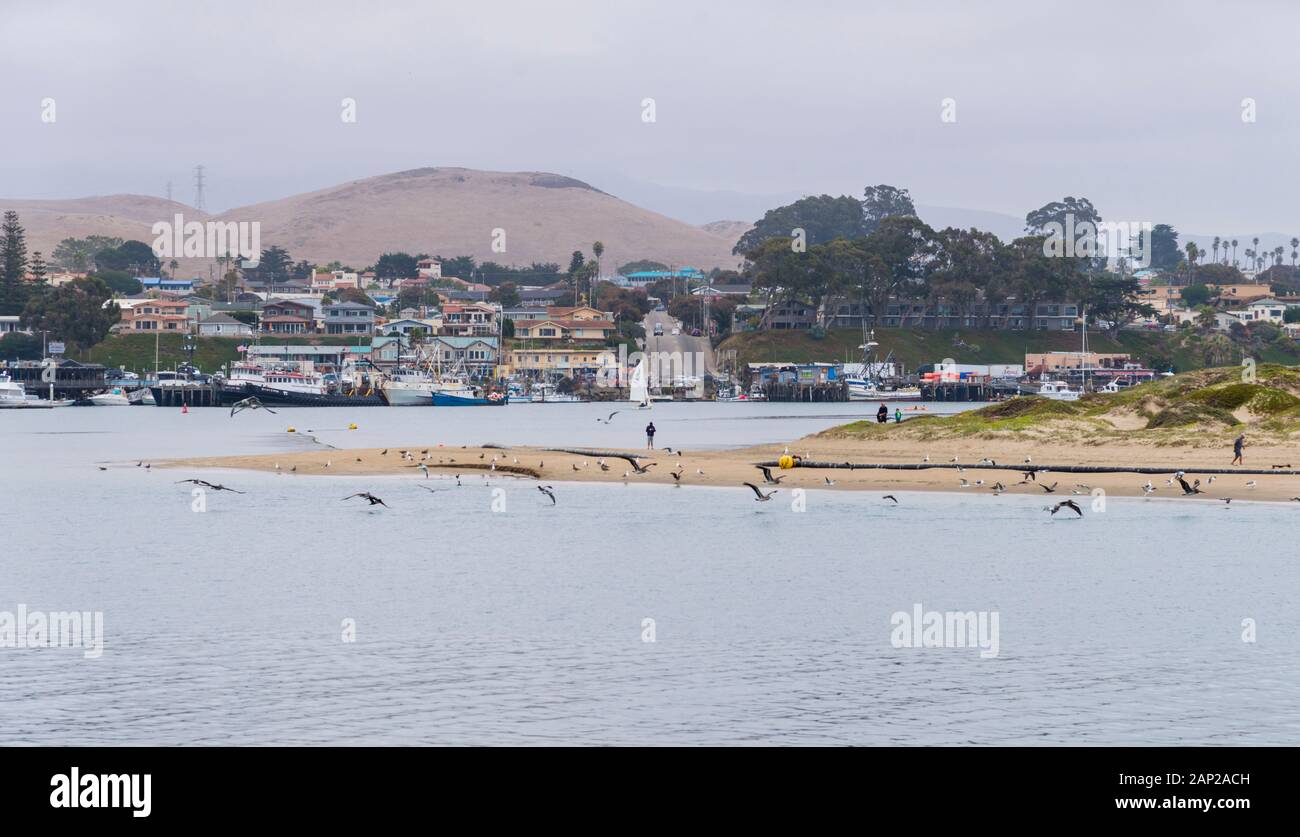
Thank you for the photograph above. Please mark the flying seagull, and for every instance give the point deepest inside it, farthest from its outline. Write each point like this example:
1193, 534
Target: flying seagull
611, 417
759, 496
250, 403
890, 497
829, 481
214, 487
434, 490
549, 491
1050, 489
632, 460
1190, 489
1067, 504
767, 475
366, 495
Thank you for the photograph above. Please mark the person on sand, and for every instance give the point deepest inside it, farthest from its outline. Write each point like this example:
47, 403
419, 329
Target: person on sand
1237, 448
650, 436
882, 415
898, 416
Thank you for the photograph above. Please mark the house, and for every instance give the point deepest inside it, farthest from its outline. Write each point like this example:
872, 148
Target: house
1165, 299
542, 363
349, 318
406, 325
429, 269
1241, 294
9, 324
540, 297
306, 356
582, 312
156, 315
557, 329
1268, 309
642, 278
479, 355
1062, 362
471, 319
719, 291
223, 325
167, 285
288, 316
788, 314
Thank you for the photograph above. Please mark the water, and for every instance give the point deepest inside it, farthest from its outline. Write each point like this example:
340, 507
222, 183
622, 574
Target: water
526, 626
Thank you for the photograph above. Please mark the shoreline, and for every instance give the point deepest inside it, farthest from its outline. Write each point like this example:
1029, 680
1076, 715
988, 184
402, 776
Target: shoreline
731, 468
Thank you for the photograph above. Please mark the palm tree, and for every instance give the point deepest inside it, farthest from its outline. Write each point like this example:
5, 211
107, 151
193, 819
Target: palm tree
1192, 250
1277, 254
1295, 249
1234, 252
1215, 248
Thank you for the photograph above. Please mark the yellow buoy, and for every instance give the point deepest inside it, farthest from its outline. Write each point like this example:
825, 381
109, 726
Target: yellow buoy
786, 461
291, 430
352, 427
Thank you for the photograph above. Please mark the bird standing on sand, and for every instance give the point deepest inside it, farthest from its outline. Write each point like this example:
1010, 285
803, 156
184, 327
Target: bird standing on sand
372, 499
759, 496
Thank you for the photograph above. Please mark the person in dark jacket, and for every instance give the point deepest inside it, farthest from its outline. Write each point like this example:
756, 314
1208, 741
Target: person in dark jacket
882, 415
650, 436
1238, 448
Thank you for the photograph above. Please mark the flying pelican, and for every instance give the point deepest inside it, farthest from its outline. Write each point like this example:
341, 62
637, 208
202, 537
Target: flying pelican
759, 496
372, 499
250, 403
1067, 504
1190, 489
890, 497
677, 477
1028, 476
1050, 489
1226, 501
548, 490
214, 487
767, 475
611, 417
632, 460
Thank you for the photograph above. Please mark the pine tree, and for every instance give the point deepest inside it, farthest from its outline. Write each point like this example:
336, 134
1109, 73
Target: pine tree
13, 264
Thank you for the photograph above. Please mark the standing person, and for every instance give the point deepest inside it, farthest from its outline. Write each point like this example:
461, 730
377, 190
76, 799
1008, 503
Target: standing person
1237, 448
882, 415
898, 415
650, 436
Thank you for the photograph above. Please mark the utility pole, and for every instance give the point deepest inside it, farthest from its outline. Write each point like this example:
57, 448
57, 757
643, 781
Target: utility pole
199, 202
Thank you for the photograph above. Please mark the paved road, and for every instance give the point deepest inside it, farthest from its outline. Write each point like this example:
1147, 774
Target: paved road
682, 343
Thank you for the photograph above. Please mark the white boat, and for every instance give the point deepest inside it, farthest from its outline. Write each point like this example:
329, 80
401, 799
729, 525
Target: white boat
862, 389
544, 393
14, 396
115, 397
1058, 391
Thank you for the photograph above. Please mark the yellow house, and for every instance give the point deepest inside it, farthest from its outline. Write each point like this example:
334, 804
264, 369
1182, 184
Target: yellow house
556, 329
564, 361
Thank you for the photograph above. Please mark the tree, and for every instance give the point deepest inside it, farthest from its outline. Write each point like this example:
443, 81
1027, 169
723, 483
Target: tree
1040, 278
273, 265
78, 254
74, 312
1163, 244
1196, 295
139, 258
1039, 221
1114, 298
506, 294
461, 267
640, 266
884, 201
13, 265
396, 266
120, 282
17, 345
354, 295
39, 268
822, 219
598, 250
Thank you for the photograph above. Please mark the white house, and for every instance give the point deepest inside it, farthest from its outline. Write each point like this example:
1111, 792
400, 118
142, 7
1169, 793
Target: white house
224, 325
9, 324
1268, 310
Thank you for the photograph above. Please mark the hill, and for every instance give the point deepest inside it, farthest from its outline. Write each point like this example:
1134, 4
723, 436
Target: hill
1197, 409
441, 211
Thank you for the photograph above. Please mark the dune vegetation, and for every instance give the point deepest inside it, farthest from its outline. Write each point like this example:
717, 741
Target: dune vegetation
1203, 407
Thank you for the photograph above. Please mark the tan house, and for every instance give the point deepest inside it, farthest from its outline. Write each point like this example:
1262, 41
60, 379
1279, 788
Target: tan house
1241, 294
1050, 362
549, 361
582, 312
562, 329
157, 315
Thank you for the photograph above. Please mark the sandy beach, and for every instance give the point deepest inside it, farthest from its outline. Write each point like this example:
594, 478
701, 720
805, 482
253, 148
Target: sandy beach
734, 467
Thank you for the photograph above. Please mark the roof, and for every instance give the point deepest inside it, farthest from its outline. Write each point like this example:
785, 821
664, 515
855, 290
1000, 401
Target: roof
349, 304
566, 323
224, 319
466, 342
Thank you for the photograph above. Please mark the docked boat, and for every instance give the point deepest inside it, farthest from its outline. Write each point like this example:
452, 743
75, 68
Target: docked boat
1058, 391
877, 381
14, 396
115, 397
861, 389
462, 394
545, 393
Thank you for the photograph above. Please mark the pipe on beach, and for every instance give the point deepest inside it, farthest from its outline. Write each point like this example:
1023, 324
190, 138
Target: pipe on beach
1056, 469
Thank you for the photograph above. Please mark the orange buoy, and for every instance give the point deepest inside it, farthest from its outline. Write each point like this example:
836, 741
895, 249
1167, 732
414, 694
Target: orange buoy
185, 408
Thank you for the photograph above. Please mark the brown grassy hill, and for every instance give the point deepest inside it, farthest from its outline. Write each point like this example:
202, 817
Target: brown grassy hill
443, 211
453, 211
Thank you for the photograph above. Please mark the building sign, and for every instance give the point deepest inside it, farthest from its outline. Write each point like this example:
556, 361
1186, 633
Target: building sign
56, 348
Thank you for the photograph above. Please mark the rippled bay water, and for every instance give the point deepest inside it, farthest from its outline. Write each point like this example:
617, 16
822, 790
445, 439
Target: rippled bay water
525, 626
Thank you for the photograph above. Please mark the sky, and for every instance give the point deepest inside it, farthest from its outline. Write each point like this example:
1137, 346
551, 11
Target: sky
1137, 106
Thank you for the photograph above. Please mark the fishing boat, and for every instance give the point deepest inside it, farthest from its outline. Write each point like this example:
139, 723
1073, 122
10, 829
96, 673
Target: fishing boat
544, 392
430, 386
873, 384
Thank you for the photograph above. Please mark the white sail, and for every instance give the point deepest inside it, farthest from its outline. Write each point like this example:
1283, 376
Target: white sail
639, 393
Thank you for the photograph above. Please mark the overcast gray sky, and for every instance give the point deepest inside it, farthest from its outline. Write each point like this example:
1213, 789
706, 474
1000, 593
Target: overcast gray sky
1134, 105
